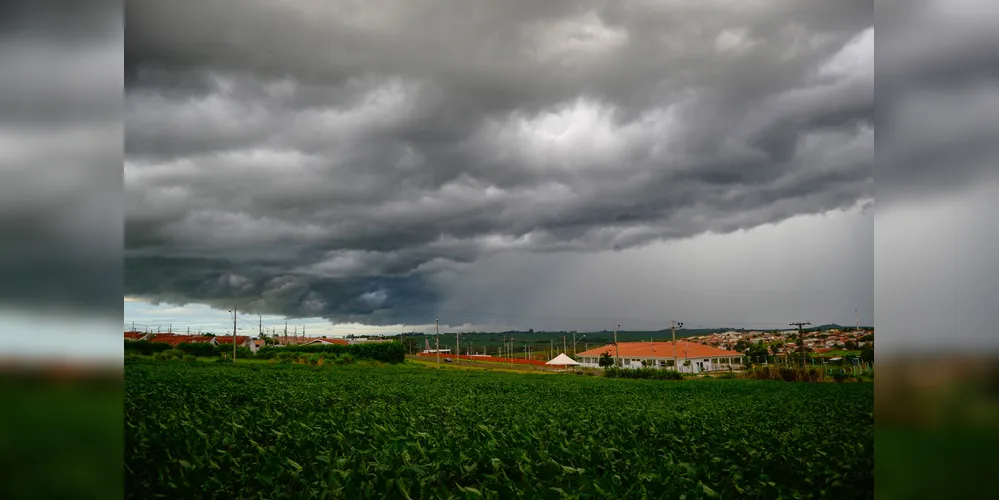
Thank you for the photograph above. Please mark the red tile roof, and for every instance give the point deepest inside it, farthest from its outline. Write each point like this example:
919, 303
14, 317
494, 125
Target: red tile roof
329, 341
227, 339
175, 340
662, 350
134, 335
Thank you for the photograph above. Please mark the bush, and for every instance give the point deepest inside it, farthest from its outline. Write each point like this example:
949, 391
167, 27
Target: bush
344, 359
169, 354
145, 347
388, 352
643, 373
727, 375
201, 349
189, 358
840, 376
785, 373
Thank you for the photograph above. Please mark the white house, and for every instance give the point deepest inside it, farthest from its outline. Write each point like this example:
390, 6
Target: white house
691, 357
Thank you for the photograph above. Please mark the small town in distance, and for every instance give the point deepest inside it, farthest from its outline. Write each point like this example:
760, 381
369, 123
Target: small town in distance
719, 350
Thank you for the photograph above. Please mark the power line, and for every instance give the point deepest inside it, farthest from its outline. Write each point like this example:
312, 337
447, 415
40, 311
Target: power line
801, 339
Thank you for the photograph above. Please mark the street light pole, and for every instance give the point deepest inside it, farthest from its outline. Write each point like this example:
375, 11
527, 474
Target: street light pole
673, 326
233, 334
617, 348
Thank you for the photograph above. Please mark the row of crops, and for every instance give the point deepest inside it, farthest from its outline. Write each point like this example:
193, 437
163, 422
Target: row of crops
290, 431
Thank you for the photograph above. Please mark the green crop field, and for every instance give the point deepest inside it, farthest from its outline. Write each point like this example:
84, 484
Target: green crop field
200, 430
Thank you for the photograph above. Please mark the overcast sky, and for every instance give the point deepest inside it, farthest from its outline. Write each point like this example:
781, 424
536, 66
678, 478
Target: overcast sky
527, 164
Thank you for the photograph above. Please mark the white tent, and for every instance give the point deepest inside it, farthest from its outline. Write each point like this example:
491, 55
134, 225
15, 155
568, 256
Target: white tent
562, 361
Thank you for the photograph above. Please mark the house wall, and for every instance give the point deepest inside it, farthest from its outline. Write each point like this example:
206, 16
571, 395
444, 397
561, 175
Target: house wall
713, 363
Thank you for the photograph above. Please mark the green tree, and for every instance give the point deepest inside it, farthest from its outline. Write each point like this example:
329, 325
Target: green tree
410, 344
605, 360
867, 353
757, 352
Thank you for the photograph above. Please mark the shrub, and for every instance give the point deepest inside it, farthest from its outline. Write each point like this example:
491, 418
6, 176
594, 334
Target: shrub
785, 373
145, 347
189, 358
388, 352
840, 376
643, 373
201, 349
169, 354
727, 375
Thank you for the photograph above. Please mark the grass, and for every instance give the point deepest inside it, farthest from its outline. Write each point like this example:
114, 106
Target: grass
411, 430
60, 439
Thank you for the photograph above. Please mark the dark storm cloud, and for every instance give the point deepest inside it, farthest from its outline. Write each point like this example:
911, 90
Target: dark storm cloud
60, 155
335, 157
937, 97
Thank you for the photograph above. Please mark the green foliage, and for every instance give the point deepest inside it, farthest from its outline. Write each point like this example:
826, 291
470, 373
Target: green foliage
388, 352
201, 349
643, 373
144, 347
169, 354
840, 375
786, 373
605, 360
286, 431
867, 353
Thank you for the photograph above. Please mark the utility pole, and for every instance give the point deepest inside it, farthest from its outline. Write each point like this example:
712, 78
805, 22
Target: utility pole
170, 328
260, 321
801, 339
617, 348
234, 334
574, 344
285, 332
133, 326
437, 341
563, 344
457, 347
673, 326
652, 342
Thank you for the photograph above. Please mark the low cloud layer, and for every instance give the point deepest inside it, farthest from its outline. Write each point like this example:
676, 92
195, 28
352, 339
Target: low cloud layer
338, 159
60, 156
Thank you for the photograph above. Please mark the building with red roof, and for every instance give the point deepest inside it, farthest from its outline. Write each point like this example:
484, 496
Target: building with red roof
327, 342
135, 335
175, 340
241, 341
691, 357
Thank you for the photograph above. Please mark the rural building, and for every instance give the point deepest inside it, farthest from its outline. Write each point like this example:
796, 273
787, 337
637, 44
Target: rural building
691, 357
175, 340
370, 341
241, 341
135, 335
327, 342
